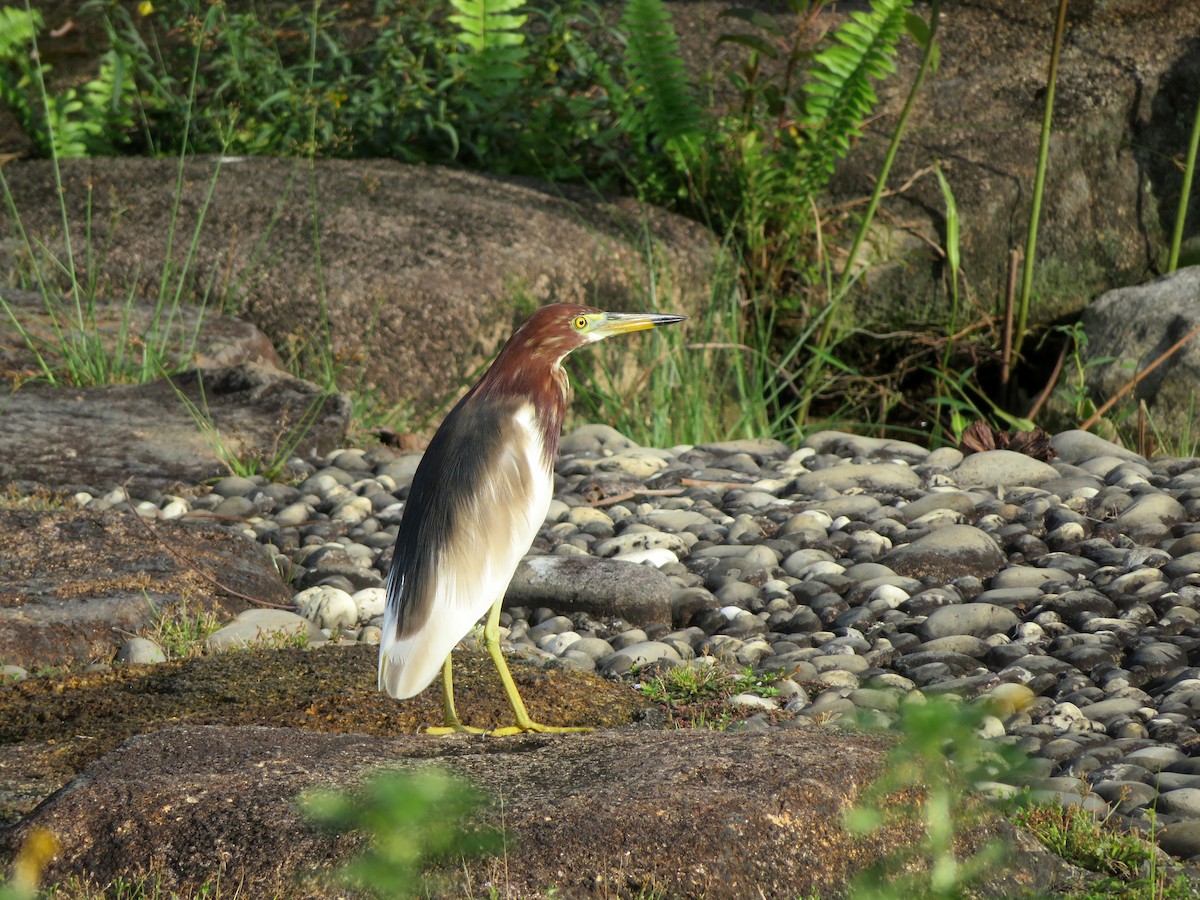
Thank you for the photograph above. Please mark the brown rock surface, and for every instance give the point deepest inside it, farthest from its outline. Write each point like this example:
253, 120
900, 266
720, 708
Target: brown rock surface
76, 582
416, 268
144, 436
51, 728
628, 812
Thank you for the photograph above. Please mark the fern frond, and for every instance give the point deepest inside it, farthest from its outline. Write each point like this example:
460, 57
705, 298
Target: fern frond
487, 24
491, 30
17, 28
660, 81
838, 95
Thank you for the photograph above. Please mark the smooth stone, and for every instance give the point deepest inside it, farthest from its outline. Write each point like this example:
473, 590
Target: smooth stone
139, 652
262, 626
596, 648
884, 478
1154, 758
677, 519
1103, 709
1001, 468
953, 551
638, 462
641, 654
1183, 802
327, 607
846, 444
594, 439
1149, 519
1077, 446
235, 508
753, 701
641, 540
558, 644
293, 514
954, 501
10, 674
1027, 577
974, 619
656, 557
1181, 839
605, 588
370, 602
235, 486
966, 644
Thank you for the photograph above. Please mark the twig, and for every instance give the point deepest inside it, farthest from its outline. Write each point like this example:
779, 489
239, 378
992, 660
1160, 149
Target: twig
1041, 398
629, 495
1133, 382
195, 568
1010, 299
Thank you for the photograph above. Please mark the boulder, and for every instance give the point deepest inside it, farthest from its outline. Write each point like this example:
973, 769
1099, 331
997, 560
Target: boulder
164, 435
411, 275
1129, 328
77, 581
186, 336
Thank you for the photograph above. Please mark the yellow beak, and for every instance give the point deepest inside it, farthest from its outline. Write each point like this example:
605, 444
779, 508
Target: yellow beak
623, 323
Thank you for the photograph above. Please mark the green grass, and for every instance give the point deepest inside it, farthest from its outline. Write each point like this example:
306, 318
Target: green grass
1129, 864
696, 694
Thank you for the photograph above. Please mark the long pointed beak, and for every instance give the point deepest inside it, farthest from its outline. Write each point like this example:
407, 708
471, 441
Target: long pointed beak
623, 323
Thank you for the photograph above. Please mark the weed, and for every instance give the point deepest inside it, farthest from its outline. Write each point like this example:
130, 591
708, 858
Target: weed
414, 820
1129, 863
181, 633
697, 694
941, 756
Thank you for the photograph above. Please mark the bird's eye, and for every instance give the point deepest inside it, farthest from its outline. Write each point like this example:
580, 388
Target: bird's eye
579, 323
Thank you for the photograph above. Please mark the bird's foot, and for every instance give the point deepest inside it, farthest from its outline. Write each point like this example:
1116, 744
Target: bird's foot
506, 730
538, 728
454, 728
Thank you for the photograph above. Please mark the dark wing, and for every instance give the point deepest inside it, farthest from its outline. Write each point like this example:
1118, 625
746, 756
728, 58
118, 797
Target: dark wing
476, 502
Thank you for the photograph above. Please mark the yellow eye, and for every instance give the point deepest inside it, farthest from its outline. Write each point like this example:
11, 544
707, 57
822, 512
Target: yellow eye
579, 323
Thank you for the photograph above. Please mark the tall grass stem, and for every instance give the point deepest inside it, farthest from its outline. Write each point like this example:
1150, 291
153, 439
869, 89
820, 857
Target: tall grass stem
927, 62
1185, 191
1039, 180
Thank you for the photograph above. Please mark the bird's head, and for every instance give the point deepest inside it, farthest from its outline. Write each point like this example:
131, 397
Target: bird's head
554, 331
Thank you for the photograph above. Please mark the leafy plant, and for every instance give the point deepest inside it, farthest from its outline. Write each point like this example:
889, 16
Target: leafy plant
928, 778
89, 121
181, 633
838, 94
36, 853
413, 820
664, 114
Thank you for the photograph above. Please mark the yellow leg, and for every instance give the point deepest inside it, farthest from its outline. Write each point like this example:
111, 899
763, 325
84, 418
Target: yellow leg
453, 724
491, 640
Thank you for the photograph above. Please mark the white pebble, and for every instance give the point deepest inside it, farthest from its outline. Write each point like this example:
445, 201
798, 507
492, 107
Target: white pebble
327, 607
370, 603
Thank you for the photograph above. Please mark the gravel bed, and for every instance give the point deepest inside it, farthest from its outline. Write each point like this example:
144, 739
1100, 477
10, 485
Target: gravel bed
869, 572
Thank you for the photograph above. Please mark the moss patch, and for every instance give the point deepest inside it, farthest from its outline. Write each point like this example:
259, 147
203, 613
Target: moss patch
51, 728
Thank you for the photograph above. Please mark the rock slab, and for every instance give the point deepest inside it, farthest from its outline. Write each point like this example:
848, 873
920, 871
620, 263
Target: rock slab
692, 813
74, 580
144, 436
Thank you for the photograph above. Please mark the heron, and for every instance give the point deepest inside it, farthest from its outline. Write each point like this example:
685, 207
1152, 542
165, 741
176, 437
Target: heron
476, 502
